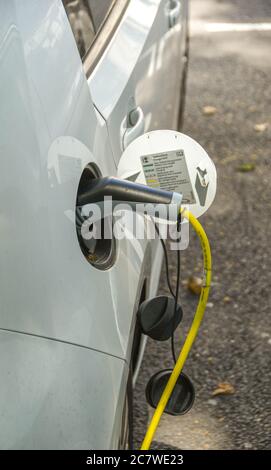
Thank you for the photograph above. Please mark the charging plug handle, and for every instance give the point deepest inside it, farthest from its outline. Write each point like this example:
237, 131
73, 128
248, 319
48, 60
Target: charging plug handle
122, 191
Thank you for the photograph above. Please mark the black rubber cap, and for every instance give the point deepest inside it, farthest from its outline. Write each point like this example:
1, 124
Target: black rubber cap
183, 395
157, 317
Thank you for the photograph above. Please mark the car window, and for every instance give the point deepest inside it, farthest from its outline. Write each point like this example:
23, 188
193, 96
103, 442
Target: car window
99, 10
86, 17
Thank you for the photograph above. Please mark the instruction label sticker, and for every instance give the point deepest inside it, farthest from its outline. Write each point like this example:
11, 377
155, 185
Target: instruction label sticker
168, 171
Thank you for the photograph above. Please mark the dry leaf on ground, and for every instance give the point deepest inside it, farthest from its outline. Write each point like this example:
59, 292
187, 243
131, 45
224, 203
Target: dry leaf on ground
261, 127
209, 110
224, 388
195, 284
246, 167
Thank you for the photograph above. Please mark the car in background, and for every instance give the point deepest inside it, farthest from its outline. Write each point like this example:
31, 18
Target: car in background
79, 81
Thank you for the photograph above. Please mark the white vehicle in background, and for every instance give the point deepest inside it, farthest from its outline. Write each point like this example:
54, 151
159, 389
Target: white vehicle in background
79, 81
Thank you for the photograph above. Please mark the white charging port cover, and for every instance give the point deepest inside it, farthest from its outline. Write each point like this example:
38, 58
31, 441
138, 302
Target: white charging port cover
172, 161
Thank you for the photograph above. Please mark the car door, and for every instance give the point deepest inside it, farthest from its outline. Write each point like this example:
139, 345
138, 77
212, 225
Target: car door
129, 49
136, 83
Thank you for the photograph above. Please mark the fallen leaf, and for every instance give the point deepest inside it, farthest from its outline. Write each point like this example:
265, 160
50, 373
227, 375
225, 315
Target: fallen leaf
221, 419
261, 127
246, 167
209, 110
195, 284
226, 299
224, 388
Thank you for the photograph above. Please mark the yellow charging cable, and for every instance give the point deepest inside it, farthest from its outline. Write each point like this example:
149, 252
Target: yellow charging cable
207, 258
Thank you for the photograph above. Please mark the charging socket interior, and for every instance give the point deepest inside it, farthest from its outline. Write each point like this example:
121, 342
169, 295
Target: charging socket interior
99, 252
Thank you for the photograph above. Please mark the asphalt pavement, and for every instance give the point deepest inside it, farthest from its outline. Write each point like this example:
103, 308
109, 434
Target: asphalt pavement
229, 70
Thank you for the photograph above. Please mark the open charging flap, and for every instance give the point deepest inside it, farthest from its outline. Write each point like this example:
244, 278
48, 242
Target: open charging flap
174, 162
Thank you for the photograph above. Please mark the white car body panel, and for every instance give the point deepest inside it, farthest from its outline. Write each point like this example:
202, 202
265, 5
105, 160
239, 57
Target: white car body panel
55, 406
63, 322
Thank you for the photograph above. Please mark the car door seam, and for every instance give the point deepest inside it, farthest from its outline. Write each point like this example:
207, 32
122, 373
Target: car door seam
25, 333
